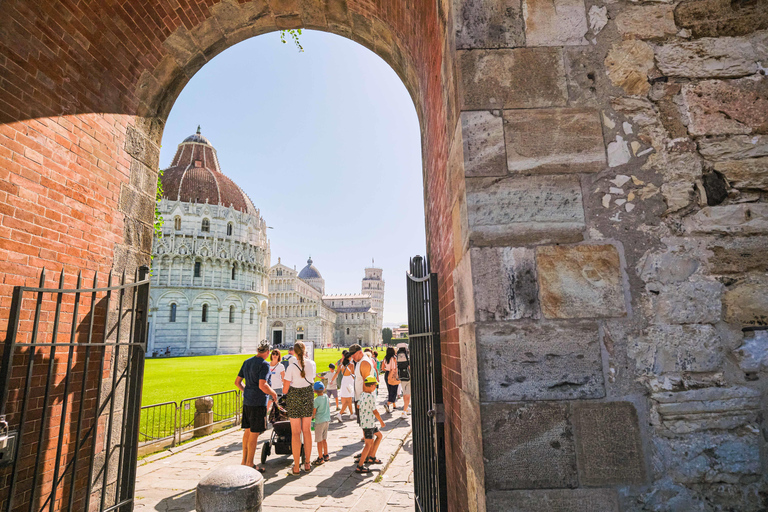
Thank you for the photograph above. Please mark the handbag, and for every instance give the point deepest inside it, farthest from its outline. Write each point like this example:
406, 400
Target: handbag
392, 379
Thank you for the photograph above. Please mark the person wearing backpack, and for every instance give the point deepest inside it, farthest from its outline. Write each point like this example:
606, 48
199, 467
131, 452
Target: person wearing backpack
404, 374
390, 375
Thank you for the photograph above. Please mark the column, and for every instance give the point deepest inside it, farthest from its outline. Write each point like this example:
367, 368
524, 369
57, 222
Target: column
189, 328
242, 330
218, 331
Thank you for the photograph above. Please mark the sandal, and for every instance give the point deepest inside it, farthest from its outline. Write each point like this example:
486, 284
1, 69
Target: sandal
318, 461
372, 460
260, 469
326, 458
362, 470
291, 473
307, 467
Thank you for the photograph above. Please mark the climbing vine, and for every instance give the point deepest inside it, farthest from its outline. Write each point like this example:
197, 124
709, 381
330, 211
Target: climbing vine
158, 196
293, 34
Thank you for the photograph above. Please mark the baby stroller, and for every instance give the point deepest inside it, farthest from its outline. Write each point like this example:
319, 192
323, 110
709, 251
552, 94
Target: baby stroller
281, 433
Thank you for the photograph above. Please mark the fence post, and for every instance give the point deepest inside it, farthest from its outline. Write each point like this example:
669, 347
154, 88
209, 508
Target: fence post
203, 425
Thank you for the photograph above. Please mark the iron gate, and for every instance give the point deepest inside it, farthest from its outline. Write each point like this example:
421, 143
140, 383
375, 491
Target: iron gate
427, 388
70, 385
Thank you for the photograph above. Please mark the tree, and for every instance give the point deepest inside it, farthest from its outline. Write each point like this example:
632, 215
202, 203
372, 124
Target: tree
386, 334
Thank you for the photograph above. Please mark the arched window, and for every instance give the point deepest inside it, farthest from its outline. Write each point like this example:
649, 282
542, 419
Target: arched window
347, 330
233, 271
204, 318
198, 268
177, 223
173, 312
252, 312
231, 314
206, 226
299, 333
229, 229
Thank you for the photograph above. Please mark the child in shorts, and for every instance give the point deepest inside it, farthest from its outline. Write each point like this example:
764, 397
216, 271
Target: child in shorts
368, 417
322, 416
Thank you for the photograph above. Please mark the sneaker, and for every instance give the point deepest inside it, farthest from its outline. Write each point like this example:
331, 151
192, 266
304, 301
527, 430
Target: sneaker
386, 407
352, 417
338, 418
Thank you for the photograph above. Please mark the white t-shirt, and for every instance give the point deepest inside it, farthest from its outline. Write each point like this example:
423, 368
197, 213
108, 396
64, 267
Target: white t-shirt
293, 373
276, 376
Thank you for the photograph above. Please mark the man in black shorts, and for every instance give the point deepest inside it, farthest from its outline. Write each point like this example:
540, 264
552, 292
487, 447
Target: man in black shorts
255, 371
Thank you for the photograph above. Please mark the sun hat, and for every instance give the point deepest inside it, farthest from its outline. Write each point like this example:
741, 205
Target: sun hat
263, 346
371, 380
319, 386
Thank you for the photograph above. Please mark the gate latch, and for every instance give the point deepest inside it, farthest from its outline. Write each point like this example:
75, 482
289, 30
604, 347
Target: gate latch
7, 443
438, 413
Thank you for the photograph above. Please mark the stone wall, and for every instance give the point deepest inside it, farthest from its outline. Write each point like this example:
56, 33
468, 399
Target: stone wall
613, 294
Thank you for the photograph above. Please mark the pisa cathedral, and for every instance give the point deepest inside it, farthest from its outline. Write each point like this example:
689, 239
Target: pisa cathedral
212, 288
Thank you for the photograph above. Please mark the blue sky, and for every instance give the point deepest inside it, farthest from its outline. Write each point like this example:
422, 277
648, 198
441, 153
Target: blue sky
327, 145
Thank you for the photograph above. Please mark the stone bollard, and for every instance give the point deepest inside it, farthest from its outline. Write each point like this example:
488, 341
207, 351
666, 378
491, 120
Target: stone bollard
203, 416
230, 489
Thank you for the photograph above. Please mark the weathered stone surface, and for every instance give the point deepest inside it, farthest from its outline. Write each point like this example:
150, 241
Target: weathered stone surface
521, 210
472, 443
718, 107
684, 412
598, 18
463, 291
608, 446
554, 140
554, 500
618, 152
582, 281
724, 57
535, 361
520, 78
690, 302
738, 255
468, 354
555, 23
139, 146
667, 267
680, 170
628, 64
483, 134
747, 303
752, 355
716, 457
489, 24
735, 219
677, 348
749, 173
733, 148
646, 21
230, 489
504, 283
528, 446
713, 18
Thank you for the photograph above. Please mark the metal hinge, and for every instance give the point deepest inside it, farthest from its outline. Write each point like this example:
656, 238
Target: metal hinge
7, 443
438, 413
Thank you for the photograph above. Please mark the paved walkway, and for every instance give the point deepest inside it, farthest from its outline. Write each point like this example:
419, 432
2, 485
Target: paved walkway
168, 484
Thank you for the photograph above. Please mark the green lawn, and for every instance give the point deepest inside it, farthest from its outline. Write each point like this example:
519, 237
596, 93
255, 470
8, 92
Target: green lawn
177, 378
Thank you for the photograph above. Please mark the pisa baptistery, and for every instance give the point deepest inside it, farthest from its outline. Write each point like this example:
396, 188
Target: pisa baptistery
210, 266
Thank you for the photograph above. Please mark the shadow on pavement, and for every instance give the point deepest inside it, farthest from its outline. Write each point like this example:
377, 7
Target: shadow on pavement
181, 502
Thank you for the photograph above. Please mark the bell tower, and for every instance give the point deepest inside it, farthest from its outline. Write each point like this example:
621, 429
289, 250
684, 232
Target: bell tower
373, 285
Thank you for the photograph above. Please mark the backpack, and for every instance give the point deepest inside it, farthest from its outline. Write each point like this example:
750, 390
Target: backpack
403, 366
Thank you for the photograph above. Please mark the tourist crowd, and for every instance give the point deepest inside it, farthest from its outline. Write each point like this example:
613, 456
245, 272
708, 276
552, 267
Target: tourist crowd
354, 379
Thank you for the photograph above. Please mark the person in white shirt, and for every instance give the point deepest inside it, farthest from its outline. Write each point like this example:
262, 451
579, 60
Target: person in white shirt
299, 401
276, 372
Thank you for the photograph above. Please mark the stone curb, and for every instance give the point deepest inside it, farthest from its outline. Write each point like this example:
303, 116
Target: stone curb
384, 469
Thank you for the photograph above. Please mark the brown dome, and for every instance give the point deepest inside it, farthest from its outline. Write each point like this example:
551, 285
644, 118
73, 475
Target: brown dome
195, 177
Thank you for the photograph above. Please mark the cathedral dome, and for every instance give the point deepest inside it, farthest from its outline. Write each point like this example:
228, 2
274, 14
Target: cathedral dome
195, 177
310, 272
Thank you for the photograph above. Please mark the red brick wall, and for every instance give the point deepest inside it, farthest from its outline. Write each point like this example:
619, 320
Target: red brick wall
84, 90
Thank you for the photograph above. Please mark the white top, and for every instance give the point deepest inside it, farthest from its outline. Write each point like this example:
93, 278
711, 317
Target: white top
359, 375
293, 373
276, 376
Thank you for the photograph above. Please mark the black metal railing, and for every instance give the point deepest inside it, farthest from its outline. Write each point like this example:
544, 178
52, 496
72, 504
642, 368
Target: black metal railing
70, 390
158, 423
227, 407
427, 388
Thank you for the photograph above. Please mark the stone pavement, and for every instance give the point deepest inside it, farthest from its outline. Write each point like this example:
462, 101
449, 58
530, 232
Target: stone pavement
168, 484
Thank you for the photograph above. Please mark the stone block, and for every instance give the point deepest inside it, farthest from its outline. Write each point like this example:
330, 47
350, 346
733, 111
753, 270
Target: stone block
678, 348
524, 210
690, 302
472, 435
528, 446
559, 140
733, 148
463, 291
489, 24
554, 500
628, 64
747, 303
718, 107
468, 354
751, 173
520, 361
582, 281
724, 57
752, 355
737, 255
141, 148
504, 283
646, 21
519, 78
608, 446
696, 410
555, 23
230, 489
716, 18
483, 140
732, 219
